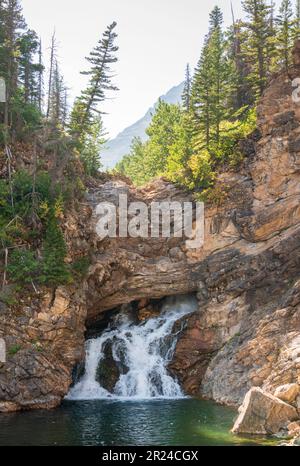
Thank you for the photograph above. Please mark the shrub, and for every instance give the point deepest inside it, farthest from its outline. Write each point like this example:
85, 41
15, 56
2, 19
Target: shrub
13, 350
23, 267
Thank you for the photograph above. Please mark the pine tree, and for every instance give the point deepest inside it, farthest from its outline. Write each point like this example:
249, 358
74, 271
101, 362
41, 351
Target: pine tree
20, 69
218, 67
186, 96
200, 97
2, 39
53, 60
54, 269
13, 24
258, 49
85, 122
100, 74
285, 36
241, 96
3, 62
29, 70
210, 88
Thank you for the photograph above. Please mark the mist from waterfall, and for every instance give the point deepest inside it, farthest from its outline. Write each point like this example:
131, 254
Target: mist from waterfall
143, 351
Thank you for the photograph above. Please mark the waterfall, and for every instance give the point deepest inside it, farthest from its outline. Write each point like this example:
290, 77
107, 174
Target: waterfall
141, 351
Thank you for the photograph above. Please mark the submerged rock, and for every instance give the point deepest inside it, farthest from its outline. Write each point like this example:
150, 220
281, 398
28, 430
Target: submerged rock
108, 371
262, 413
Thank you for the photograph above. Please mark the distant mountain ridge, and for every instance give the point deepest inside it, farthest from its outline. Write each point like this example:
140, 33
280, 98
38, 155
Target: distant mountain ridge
119, 146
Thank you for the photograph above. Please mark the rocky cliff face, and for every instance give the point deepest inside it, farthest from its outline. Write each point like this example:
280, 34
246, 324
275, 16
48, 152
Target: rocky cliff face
247, 330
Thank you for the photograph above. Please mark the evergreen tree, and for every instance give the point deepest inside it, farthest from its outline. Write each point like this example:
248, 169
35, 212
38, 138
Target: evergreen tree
162, 135
54, 269
85, 122
285, 36
166, 138
215, 18
133, 164
3, 57
23, 267
29, 70
186, 96
211, 85
13, 24
242, 94
258, 46
218, 69
200, 98
100, 74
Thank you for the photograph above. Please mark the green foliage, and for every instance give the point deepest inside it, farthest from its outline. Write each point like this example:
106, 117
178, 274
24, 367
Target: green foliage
80, 267
35, 202
189, 145
150, 159
13, 350
286, 33
17, 204
91, 143
54, 269
201, 174
170, 151
23, 267
259, 45
211, 86
186, 95
21, 71
231, 132
132, 165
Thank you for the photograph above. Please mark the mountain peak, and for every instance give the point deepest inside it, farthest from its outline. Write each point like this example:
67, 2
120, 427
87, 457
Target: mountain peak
119, 146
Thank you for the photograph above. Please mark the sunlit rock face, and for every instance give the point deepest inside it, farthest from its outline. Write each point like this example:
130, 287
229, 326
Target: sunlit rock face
246, 331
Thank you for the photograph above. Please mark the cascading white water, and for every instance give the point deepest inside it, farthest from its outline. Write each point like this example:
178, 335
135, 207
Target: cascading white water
145, 350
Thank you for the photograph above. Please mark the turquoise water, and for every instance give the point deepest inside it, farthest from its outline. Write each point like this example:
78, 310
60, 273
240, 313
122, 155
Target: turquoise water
161, 422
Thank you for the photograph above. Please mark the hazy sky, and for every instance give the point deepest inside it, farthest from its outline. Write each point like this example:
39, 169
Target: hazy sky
156, 39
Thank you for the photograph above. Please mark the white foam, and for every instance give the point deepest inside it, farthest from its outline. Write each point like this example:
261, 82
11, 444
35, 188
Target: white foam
144, 350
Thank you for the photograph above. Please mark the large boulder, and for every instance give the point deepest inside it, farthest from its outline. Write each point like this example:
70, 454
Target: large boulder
263, 413
288, 392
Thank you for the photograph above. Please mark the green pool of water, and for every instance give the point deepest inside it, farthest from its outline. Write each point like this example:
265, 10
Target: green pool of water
161, 422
